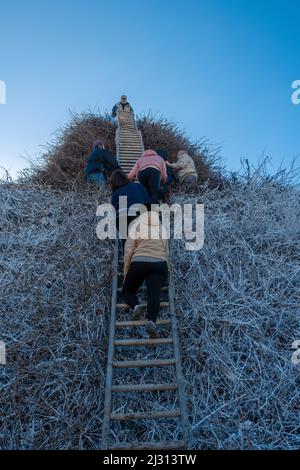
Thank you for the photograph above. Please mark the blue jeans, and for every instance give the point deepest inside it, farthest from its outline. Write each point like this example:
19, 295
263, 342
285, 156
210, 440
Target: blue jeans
97, 178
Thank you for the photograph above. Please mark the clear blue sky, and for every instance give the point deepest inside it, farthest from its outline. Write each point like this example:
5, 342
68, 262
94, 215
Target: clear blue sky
219, 68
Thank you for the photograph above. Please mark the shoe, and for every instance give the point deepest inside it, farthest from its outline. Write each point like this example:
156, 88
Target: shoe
138, 312
151, 329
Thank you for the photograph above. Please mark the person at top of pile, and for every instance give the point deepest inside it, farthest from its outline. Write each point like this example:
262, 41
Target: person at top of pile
100, 164
146, 259
122, 105
186, 171
151, 171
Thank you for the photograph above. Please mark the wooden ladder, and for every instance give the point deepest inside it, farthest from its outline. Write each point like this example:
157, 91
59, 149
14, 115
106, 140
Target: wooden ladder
129, 141
177, 387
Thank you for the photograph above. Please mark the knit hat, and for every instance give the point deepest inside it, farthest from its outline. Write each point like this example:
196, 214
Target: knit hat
98, 143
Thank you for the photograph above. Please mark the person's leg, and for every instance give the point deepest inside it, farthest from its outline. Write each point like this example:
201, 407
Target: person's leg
143, 178
189, 183
154, 282
97, 179
102, 179
134, 279
150, 178
163, 192
154, 185
93, 178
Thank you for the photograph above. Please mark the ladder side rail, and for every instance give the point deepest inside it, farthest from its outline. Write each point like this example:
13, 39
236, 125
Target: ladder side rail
117, 140
178, 367
110, 358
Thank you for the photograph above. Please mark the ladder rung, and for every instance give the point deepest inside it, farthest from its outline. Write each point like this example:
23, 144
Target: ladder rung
130, 141
148, 445
130, 146
145, 363
143, 387
164, 288
126, 306
128, 159
125, 324
150, 415
142, 342
129, 132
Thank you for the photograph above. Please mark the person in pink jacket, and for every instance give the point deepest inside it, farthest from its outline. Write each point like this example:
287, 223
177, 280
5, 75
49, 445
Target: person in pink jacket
151, 171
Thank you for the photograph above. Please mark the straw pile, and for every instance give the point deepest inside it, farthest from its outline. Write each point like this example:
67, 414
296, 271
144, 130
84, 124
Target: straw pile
62, 163
238, 308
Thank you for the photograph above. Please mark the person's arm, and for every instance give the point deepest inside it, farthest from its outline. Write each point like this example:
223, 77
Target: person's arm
114, 110
178, 165
134, 171
87, 165
128, 252
164, 172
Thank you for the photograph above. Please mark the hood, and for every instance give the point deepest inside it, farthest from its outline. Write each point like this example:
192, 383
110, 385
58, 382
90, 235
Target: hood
185, 154
150, 153
149, 218
140, 227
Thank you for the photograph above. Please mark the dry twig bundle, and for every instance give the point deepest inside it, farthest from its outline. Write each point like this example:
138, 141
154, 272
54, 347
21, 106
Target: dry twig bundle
237, 301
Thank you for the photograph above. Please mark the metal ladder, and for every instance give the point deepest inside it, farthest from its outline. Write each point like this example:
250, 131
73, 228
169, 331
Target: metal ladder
114, 365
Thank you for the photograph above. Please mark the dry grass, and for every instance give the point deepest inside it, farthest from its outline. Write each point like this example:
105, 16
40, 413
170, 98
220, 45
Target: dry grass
61, 166
238, 301
55, 298
238, 308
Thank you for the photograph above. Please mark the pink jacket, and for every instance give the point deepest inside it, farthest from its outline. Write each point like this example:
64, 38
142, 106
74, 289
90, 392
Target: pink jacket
152, 159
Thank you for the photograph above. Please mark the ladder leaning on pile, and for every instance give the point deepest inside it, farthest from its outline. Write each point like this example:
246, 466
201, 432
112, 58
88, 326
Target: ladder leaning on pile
129, 141
115, 324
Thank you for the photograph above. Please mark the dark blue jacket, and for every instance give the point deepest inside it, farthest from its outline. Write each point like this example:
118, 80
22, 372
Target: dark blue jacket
136, 194
100, 160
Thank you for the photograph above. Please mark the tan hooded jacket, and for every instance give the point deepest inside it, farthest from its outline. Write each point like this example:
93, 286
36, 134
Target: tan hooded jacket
185, 166
147, 238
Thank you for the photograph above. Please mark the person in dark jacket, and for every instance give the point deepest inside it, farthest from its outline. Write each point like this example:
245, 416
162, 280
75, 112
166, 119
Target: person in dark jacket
164, 190
100, 164
136, 194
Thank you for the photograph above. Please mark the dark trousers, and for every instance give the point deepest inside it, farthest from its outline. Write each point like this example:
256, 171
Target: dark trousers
155, 275
150, 178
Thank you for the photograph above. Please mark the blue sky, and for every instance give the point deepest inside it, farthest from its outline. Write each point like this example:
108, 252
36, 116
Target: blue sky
222, 69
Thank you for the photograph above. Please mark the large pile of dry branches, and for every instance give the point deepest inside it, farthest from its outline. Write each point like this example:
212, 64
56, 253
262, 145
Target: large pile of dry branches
62, 163
237, 302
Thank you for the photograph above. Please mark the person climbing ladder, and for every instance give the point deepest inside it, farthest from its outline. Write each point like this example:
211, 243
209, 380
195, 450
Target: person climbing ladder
151, 171
100, 164
146, 259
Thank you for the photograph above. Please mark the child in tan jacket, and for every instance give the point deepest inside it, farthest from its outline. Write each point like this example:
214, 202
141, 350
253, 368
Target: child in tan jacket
185, 168
146, 259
